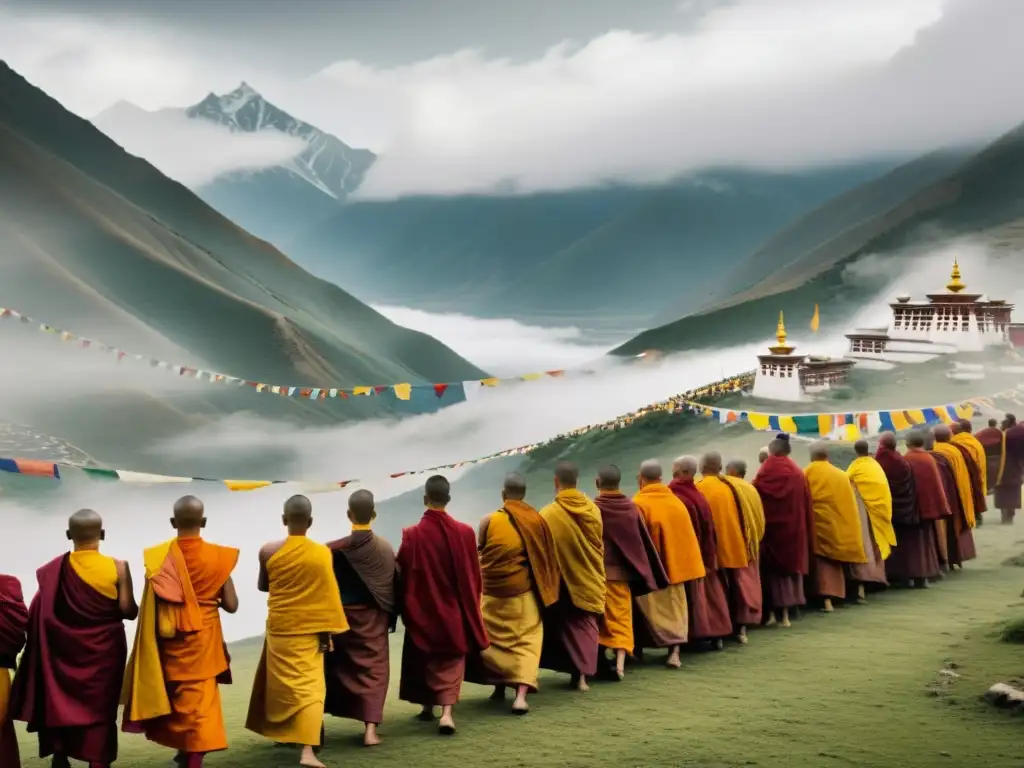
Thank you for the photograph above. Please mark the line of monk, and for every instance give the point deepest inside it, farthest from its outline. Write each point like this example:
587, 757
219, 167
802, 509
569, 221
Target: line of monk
579, 587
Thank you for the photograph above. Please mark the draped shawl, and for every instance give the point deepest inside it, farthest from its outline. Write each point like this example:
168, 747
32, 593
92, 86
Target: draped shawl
787, 514
628, 544
373, 560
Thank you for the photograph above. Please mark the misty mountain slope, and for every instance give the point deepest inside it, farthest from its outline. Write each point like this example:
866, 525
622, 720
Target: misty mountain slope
273, 203
542, 255
217, 262
981, 198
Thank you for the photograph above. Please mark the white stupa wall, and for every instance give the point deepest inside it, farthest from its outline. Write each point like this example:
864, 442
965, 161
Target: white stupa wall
784, 385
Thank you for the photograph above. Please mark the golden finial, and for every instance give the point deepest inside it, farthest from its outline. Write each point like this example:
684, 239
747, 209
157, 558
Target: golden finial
780, 331
955, 285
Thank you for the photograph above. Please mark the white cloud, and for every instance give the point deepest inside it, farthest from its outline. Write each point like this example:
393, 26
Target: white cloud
194, 152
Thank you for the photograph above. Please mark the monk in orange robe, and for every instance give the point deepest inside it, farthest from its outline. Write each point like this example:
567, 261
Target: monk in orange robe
13, 623
171, 691
953, 464
665, 616
69, 681
736, 565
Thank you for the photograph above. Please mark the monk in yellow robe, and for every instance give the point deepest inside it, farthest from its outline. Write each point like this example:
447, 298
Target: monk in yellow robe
960, 535
752, 517
977, 464
571, 635
520, 579
874, 504
303, 613
69, 681
737, 561
838, 538
665, 614
171, 685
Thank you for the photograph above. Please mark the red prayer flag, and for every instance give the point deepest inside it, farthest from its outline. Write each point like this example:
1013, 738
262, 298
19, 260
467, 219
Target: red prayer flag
380, 389
440, 389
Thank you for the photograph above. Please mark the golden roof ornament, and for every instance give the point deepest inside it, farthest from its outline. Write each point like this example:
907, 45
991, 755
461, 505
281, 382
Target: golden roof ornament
781, 348
955, 285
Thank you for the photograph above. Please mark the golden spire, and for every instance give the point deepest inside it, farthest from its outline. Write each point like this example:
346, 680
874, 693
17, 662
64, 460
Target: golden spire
955, 285
780, 331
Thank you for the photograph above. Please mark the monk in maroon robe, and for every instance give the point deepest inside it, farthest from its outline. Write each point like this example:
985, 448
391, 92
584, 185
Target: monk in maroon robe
358, 668
993, 440
68, 684
441, 589
932, 501
632, 565
13, 624
789, 524
710, 618
915, 559
959, 538
1008, 489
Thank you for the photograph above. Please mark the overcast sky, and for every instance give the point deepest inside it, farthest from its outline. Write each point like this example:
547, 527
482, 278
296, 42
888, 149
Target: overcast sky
462, 95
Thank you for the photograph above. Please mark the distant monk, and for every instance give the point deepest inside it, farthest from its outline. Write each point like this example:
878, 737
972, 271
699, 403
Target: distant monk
874, 503
13, 623
932, 501
571, 634
993, 440
303, 614
762, 455
1008, 489
707, 598
358, 670
977, 464
441, 593
69, 681
521, 579
171, 687
961, 538
914, 560
788, 531
838, 531
665, 622
632, 564
735, 561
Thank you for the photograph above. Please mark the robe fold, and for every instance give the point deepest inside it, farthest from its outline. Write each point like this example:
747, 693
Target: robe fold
13, 625
959, 540
290, 687
746, 589
838, 530
977, 454
571, 624
928, 485
873, 570
915, 556
520, 577
732, 548
441, 589
632, 567
358, 670
976, 473
171, 685
962, 473
707, 598
871, 483
69, 681
1008, 489
993, 442
902, 491
788, 533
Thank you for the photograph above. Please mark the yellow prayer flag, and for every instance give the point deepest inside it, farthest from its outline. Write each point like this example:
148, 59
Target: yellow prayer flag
362, 390
825, 422
532, 376
403, 391
787, 424
899, 420
758, 421
492, 382
916, 416
246, 485
816, 320
964, 410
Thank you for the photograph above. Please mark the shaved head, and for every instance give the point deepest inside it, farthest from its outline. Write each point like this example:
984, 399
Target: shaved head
609, 478
861, 448
965, 425
685, 466
567, 474
955, 428
819, 452
736, 468
942, 433
650, 470
779, 447
993, 423
888, 440
514, 487
189, 514
763, 454
711, 463
85, 527
915, 439
298, 514
929, 440
361, 507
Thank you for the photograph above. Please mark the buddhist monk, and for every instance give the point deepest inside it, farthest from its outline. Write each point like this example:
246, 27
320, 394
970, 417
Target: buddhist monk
1008, 489
932, 500
571, 625
520, 579
751, 506
788, 531
977, 464
69, 681
944, 533
763, 455
441, 594
303, 614
874, 504
664, 612
915, 559
707, 598
838, 534
358, 669
632, 565
961, 537
13, 624
993, 440
735, 561
171, 686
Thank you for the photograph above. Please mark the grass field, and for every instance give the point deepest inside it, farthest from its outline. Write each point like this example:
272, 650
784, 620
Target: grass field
859, 687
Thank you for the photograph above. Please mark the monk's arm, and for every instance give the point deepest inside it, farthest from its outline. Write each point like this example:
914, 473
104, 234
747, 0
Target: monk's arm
263, 583
126, 592
481, 533
228, 597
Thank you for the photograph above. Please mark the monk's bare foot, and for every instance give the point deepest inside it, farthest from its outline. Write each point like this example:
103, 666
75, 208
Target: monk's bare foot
828, 607
446, 726
309, 759
581, 684
772, 621
862, 598
520, 706
719, 644
499, 693
426, 715
370, 737
785, 618
923, 584
741, 636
